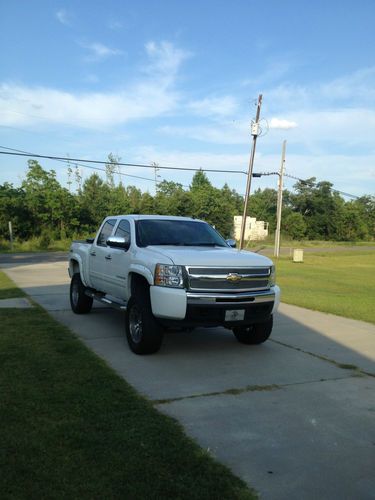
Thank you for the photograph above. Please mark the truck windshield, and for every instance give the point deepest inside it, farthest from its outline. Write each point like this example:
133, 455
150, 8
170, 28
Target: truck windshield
176, 232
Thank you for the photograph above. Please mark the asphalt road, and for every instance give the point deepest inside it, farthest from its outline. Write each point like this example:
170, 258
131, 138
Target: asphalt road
290, 417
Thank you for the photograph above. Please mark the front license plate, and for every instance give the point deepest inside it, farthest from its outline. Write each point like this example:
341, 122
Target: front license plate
235, 315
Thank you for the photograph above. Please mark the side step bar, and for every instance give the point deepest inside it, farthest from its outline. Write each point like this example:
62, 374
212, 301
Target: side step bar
101, 297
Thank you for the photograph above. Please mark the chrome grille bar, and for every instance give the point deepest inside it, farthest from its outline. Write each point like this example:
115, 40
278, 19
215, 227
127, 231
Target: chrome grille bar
228, 279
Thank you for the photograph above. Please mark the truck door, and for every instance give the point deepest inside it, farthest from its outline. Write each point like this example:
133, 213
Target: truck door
99, 258
119, 263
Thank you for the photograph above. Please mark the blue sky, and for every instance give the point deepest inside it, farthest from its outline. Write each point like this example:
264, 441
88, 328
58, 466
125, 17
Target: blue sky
175, 82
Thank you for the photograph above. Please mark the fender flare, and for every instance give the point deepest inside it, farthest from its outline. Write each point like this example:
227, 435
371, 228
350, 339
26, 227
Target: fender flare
141, 271
75, 258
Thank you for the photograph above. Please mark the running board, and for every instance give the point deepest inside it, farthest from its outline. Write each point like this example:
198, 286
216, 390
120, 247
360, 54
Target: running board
101, 297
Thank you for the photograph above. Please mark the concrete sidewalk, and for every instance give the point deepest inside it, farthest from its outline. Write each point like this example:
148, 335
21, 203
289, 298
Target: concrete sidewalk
291, 417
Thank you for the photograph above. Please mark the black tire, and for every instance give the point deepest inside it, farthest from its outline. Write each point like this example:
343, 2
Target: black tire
143, 332
254, 334
79, 301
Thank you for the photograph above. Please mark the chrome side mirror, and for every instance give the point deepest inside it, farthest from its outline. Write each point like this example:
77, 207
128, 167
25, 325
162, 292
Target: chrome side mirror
118, 242
231, 243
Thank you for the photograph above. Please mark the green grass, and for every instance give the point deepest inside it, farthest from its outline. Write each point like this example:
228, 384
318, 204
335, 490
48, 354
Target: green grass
7, 288
35, 245
72, 428
269, 242
342, 283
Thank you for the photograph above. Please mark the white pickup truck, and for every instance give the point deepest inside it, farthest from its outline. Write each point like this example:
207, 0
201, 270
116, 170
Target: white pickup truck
168, 271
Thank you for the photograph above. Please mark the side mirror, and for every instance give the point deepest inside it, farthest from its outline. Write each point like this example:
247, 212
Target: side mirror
231, 243
118, 242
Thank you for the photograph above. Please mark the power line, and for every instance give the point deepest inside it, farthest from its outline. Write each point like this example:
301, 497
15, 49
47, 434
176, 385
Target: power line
101, 162
304, 181
67, 160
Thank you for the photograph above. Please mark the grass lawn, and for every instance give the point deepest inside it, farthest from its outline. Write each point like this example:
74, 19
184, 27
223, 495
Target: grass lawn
342, 283
72, 428
7, 288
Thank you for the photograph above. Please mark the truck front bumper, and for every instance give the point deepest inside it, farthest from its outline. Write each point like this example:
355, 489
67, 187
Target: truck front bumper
193, 309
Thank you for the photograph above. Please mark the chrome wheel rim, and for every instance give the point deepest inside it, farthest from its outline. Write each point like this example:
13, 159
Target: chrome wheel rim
135, 324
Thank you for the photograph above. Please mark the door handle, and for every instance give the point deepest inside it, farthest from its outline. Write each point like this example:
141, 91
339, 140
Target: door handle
93, 253
108, 257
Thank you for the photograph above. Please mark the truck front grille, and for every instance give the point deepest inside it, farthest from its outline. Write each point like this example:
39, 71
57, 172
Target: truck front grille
233, 279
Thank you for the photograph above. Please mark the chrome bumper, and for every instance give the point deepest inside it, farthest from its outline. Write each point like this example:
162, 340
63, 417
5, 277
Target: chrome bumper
243, 298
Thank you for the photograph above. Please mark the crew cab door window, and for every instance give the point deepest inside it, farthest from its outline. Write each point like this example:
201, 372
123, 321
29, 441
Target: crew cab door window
123, 229
106, 232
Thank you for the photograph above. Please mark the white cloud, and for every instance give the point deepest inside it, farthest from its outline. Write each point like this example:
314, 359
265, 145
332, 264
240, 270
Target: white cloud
26, 106
282, 124
356, 89
214, 106
335, 129
221, 133
98, 51
166, 60
63, 16
148, 97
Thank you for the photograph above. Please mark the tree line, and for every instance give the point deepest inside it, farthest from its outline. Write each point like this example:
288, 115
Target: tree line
42, 207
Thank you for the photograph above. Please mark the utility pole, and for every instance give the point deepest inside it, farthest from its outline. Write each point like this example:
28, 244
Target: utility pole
254, 133
10, 234
279, 202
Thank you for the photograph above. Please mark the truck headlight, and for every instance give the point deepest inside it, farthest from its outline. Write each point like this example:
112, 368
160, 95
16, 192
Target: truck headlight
167, 275
272, 278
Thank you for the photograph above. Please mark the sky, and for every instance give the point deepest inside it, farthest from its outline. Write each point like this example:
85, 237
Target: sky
176, 82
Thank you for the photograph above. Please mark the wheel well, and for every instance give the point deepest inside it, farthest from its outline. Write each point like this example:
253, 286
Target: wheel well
137, 282
74, 267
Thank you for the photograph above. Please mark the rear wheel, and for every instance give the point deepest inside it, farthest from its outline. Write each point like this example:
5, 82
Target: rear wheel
143, 332
254, 334
79, 301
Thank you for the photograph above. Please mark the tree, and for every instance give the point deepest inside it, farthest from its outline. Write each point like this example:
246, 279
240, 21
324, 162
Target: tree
366, 207
147, 204
294, 226
172, 199
47, 202
353, 227
263, 205
12, 208
213, 205
94, 202
111, 167
321, 208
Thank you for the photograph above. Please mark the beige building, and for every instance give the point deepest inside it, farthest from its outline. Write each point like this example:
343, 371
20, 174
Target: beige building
254, 229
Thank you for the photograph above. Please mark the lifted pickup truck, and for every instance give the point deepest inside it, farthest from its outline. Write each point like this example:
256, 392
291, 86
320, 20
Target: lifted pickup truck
172, 272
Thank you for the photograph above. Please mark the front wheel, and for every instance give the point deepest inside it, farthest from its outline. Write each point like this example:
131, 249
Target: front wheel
143, 333
79, 301
254, 334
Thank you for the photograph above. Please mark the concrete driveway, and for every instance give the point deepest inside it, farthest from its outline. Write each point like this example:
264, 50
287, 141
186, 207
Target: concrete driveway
295, 417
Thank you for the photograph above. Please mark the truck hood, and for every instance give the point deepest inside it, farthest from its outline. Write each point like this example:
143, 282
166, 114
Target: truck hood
209, 256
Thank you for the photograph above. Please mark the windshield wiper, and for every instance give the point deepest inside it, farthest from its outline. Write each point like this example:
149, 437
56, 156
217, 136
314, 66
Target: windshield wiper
204, 244
175, 244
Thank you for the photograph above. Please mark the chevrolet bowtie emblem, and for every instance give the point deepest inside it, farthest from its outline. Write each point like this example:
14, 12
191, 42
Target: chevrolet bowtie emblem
234, 277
